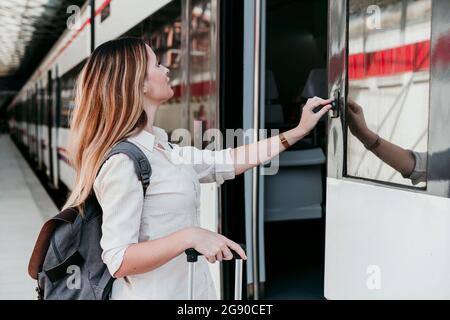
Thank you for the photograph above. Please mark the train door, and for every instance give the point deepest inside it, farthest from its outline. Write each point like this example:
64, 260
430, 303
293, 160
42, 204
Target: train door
27, 119
56, 106
39, 125
43, 127
201, 101
388, 183
30, 123
44, 131
35, 127
50, 125
285, 60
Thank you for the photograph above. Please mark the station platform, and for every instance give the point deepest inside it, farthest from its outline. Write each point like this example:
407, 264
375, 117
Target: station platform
24, 206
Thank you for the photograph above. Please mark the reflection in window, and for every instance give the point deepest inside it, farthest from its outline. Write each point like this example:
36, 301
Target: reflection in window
202, 74
388, 76
166, 43
185, 45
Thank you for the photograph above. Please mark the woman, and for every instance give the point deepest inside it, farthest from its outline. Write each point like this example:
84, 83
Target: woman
118, 93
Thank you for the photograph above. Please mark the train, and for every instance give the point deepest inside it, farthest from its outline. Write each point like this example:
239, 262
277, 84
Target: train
335, 221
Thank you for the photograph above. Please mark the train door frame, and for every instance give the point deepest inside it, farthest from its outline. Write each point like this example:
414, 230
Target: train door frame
381, 230
254, 13
232, 219
257, 184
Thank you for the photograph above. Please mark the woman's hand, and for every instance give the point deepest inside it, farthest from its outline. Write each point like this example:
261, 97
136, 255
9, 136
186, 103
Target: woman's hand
357, 123
310, 118
213, 246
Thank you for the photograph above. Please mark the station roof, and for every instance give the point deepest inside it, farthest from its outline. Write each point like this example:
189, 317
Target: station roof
28, 29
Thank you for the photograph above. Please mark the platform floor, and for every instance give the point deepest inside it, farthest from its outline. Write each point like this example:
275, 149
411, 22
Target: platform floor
24, 206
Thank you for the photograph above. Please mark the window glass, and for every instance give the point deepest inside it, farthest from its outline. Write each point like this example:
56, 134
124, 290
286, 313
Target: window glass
68, 81
185, 45
166, 43
388, 81
202, 111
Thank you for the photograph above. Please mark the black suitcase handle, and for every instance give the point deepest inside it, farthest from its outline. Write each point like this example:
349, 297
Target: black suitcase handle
192, 258
192, 254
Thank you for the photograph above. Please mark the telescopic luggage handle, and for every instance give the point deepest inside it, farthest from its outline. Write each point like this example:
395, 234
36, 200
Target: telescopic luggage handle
192, 255
192, 258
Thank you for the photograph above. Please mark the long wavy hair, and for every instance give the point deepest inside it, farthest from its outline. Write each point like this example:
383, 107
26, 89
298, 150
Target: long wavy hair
109, 107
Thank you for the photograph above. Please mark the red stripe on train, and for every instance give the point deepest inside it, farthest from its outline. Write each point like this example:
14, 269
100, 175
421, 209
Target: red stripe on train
198, 89
86, 22
409, 58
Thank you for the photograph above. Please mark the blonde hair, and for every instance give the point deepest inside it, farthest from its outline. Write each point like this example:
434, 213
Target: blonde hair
109, 107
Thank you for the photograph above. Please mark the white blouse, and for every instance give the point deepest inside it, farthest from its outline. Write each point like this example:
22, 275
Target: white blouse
419, 174
172, 202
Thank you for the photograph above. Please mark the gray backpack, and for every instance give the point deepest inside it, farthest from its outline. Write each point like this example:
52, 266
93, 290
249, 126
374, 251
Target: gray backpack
66, 260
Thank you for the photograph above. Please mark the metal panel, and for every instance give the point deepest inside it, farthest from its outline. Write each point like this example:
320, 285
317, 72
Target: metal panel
254, 219
384, 241
337, 65
439, 129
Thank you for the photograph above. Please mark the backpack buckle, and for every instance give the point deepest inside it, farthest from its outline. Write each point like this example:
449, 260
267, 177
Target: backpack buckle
145, 178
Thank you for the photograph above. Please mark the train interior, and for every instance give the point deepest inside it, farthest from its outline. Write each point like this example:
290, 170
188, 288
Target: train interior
294, 201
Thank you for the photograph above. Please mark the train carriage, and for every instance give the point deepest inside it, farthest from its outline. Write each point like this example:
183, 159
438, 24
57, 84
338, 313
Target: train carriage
327, 218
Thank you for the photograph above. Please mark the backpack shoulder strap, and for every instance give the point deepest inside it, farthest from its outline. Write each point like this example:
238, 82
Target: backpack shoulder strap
142, 166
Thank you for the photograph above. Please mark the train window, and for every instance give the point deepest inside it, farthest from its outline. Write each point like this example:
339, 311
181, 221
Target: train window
203, 107
39, 106
68, 94
164, 30
42, 107
34, 103
192, 73
388, 90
